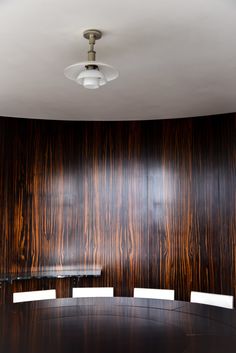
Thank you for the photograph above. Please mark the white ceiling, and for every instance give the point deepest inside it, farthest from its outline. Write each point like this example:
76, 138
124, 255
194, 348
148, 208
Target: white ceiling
176, 58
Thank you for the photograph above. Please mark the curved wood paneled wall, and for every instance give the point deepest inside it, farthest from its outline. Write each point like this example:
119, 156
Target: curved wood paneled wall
152, 202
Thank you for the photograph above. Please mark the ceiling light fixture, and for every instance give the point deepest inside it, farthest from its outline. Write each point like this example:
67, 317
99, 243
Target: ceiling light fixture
91, 74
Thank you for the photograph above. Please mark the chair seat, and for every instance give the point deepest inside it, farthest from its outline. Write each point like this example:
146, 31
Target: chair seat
224, 301
168, 294
86, 292
21, 297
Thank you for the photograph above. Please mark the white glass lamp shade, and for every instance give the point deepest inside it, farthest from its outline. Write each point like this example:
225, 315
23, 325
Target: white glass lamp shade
91, 79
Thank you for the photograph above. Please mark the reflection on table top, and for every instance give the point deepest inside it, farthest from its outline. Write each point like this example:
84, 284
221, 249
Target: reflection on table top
116, 325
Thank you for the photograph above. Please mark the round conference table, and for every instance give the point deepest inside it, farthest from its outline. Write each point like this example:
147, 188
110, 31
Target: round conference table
116, 325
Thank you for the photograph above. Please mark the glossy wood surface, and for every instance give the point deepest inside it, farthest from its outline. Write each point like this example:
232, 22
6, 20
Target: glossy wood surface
116, 325
152, 202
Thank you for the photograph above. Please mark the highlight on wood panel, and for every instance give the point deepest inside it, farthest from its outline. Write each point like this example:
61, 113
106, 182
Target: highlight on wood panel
152, 203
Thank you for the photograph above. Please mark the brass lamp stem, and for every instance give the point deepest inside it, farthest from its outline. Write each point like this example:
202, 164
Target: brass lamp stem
91, 52
92, 35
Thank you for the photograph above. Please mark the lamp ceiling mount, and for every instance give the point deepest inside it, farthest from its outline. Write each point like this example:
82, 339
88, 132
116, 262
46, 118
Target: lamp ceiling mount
92, 33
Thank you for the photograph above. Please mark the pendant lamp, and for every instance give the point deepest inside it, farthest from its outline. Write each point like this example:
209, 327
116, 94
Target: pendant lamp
91, 74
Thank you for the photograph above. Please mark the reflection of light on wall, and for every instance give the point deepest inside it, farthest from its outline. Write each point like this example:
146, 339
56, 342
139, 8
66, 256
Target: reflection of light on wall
161, 184
65, 189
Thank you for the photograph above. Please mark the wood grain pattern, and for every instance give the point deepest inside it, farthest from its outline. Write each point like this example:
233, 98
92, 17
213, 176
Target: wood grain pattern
152, 202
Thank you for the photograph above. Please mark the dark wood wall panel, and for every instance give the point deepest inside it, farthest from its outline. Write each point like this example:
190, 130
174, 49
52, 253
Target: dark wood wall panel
152, 202
169, 205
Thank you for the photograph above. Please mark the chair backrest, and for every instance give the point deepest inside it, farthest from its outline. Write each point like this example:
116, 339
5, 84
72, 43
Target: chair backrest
21, 297
150, 293
86, 292
224, 301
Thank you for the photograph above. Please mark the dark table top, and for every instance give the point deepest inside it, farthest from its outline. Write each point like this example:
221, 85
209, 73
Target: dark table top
116, 325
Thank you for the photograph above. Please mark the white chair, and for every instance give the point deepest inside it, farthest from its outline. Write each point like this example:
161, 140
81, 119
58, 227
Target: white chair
168, 294
224, 301
21, 297
86, 292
